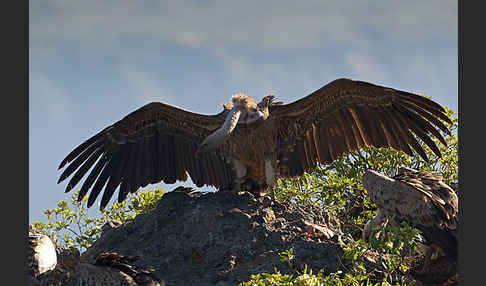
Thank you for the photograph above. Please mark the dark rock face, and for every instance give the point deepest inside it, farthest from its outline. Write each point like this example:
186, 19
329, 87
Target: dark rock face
220, 239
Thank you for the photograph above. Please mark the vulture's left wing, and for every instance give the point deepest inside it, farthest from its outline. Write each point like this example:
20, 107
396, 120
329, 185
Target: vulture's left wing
155, 143
346, 115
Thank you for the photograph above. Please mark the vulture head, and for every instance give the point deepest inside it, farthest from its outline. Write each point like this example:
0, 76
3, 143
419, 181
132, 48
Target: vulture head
242, 110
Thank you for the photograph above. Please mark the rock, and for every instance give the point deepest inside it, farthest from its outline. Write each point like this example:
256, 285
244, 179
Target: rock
42, 252
219, 239
54, 265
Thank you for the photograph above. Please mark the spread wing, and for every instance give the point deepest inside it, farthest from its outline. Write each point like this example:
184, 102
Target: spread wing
154, 143
346, 115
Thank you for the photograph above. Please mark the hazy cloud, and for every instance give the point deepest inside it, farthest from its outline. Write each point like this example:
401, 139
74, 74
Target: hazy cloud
48, 98
252, 24
145, 87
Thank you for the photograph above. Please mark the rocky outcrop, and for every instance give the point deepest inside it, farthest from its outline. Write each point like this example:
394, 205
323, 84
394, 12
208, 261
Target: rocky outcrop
203, 239
221, 238
53, 265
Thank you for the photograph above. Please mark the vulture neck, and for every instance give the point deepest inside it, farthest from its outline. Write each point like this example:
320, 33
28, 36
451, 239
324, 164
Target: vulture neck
230, 122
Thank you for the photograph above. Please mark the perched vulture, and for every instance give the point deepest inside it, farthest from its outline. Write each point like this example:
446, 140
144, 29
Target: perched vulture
248, 143
418, 197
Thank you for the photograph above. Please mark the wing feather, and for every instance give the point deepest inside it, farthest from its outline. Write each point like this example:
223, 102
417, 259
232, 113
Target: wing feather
347, 131
83, 169
324, 150
346, 115
391, 131
311, 148
411, 139
420, 129
79, 160
351, 124
113, 182
363, 125
101, 180
153, 143
92, 177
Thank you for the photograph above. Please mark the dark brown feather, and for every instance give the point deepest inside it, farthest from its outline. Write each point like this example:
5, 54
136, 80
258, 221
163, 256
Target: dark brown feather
378, 137
411, 139
299, 154
114, 181
73, 154
419, 128
145, 163
161, 146
92, 176
101, 181
216, 163
291, 158
126, 184
207, 169
195, 168
167, 145
426, 104
391, 130
83, 169
311, 149
425, 125
362, 124
180, 166
324, 151
124, 191
427, 115
135, 178
352, 125
347, 131
156, 159
315, 136
79, 160
332, 141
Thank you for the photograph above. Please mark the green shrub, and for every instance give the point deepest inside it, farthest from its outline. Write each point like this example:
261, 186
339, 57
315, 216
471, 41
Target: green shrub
81, 230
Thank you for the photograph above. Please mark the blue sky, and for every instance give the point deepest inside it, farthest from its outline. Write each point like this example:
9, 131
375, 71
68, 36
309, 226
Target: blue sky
92, 62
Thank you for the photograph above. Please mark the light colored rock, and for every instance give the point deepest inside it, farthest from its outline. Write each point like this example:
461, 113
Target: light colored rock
42, 253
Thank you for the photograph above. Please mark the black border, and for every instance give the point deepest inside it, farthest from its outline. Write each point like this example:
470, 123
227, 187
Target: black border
471, 82
15, 143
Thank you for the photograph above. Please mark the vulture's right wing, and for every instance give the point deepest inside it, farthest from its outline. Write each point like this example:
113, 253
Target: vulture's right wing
155, 143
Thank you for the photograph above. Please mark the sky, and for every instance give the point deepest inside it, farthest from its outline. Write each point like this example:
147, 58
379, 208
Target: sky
92, 62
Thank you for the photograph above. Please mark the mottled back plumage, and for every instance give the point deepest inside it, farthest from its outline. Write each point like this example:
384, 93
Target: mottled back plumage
421, 198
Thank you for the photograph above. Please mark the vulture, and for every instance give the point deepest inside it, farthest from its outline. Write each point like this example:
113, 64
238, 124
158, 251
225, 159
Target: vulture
421, 198
250, 144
